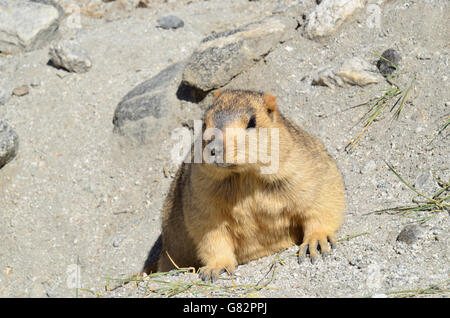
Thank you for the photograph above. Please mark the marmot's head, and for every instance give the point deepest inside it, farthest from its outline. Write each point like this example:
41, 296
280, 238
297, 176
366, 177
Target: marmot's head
240, 131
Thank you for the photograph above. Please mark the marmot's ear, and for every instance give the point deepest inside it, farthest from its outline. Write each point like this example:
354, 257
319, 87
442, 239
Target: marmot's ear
270, 102
216, 94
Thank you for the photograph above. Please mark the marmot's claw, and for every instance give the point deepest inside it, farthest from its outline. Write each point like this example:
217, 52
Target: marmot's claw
204, 275
302, 253
310, 245
212, 273
332, 241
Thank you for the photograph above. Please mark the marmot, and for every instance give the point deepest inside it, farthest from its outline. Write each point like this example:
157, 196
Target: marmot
219, 214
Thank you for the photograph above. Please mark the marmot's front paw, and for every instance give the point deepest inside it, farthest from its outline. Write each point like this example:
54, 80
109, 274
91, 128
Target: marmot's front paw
310, 243
213, 273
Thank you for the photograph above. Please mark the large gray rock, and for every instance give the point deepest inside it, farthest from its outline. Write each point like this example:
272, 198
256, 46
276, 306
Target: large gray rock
222, 56
357, 71
26, 26
9, 143
52, 3
69, 55
329, 16
141, 113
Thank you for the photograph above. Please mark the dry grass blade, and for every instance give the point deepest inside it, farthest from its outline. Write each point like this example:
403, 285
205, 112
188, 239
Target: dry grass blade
431, 290
403, 100
379, 104
154, 285
349, 237
374, 113
443, 127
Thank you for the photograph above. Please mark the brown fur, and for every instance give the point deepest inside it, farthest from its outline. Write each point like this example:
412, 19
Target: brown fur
218, 217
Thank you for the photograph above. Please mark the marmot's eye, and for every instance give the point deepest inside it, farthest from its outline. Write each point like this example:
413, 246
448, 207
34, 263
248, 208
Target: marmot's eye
252, 122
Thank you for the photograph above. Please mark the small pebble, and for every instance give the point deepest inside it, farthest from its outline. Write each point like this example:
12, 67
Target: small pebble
410, 234
170, 22
21, 90
118, 240
386, 67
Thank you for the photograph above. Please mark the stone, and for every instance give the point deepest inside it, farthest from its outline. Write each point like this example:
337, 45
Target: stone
26, 26
170, 22
53, 4
117, 240
9, 143
410, 234
386, 63
327, 77
329, 15
222, 56
21, 90
69, 55
354, 71
139, 113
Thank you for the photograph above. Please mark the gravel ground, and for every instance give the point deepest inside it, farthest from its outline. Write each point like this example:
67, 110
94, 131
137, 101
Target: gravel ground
79, 199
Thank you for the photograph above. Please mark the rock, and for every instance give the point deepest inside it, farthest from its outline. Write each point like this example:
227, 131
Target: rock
21, 90
329, 16
4, 96
222, 56
327, 77
411, 233
356, 71
139, 113
26, 26
170, 22
68, 54
53, 4
9, 143
386, 63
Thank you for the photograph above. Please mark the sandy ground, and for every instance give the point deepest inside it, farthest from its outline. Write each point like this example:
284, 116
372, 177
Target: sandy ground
79, 194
